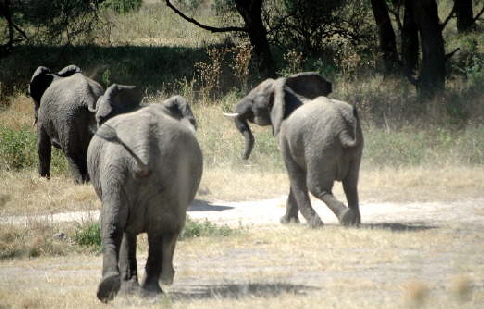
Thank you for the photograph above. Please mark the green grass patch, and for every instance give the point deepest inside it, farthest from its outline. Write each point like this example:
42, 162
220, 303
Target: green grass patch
205, 229
17, 148
18, 151
88, 235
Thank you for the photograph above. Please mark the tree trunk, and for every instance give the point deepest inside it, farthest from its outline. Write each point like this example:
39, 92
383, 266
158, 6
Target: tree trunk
465, 18
7, 14
432, 69
386, 35
410, 43
251, 12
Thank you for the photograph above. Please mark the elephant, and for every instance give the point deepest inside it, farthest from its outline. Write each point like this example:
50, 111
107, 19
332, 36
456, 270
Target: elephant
145, 167
320, 139
62, 101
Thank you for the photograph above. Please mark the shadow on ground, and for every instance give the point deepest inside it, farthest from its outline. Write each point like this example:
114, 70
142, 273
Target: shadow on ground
201, 205
239, 290
398, 227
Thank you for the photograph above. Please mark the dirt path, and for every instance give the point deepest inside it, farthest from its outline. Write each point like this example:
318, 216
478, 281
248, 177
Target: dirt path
432, 242
269, 211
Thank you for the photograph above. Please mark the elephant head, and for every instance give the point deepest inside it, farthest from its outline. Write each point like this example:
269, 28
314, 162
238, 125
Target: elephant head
178, 108
41, 80
117, 99
274, 100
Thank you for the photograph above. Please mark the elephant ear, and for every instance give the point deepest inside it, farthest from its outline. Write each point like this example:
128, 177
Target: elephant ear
69, 70
285, 102
140, 151
117, 99
41, 80
179, 109
309, 85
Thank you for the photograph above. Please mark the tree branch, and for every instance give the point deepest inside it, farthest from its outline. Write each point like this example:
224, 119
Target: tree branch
449, 55
21, 31
206, 27
449, 17
479, 15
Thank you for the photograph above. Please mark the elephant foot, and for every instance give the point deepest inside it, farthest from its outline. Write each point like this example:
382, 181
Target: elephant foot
285, 219
129, 287
151, 290
109, 286
81, 179
349, 217
167, 277
315, 222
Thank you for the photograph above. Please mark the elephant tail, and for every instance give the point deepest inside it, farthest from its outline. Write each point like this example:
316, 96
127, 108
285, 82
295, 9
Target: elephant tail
108, 133
350, 140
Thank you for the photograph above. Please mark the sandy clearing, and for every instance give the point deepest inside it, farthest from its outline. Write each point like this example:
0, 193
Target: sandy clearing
269, 211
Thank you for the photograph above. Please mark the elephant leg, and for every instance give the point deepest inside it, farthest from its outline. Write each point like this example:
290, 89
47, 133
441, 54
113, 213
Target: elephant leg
291, 215
151, 286
113, 219
78, 165
44, 152
350, 186
321, 188
167, 270
128, 264
297, 179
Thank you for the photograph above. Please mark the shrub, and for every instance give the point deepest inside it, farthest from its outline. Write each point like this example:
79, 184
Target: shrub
18, 151
122, 6
17, 148
204, 228
88, 235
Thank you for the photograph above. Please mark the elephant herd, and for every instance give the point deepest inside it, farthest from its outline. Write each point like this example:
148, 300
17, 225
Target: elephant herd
145, 162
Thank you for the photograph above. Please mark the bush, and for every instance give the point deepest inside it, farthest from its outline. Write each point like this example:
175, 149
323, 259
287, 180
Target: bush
122, 6
88, 235
17, 149
204, 228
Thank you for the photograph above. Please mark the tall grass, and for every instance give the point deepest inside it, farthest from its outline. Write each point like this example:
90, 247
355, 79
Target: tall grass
163, 55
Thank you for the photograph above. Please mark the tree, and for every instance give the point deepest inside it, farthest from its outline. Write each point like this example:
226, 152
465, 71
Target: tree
463, 11
12, 28
410, 41
432, 68
47, 21
386, 35
251, 13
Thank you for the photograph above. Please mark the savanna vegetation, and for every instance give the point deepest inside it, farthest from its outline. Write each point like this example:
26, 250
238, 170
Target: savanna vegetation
419, 145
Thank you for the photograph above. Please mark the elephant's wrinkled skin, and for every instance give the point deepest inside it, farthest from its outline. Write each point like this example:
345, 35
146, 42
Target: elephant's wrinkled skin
320, 139
145, 167
62, 102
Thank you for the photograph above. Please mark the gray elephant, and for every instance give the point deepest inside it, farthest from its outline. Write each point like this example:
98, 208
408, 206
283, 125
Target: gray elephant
320, 139
145, 167
62, 101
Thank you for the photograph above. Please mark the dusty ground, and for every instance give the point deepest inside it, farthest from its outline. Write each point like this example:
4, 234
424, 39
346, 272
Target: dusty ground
416, 249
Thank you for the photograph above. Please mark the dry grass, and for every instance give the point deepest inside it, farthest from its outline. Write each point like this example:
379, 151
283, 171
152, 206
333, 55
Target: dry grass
279, 267
27, 193
19, 114
156, 25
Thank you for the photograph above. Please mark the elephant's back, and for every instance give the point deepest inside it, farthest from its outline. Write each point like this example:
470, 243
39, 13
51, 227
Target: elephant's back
175, 163
312, 132
67, 98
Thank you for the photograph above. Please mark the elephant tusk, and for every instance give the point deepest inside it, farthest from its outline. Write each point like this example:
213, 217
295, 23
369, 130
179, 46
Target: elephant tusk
232, 115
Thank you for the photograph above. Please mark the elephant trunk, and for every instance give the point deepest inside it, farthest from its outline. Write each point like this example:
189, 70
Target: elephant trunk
243, 127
